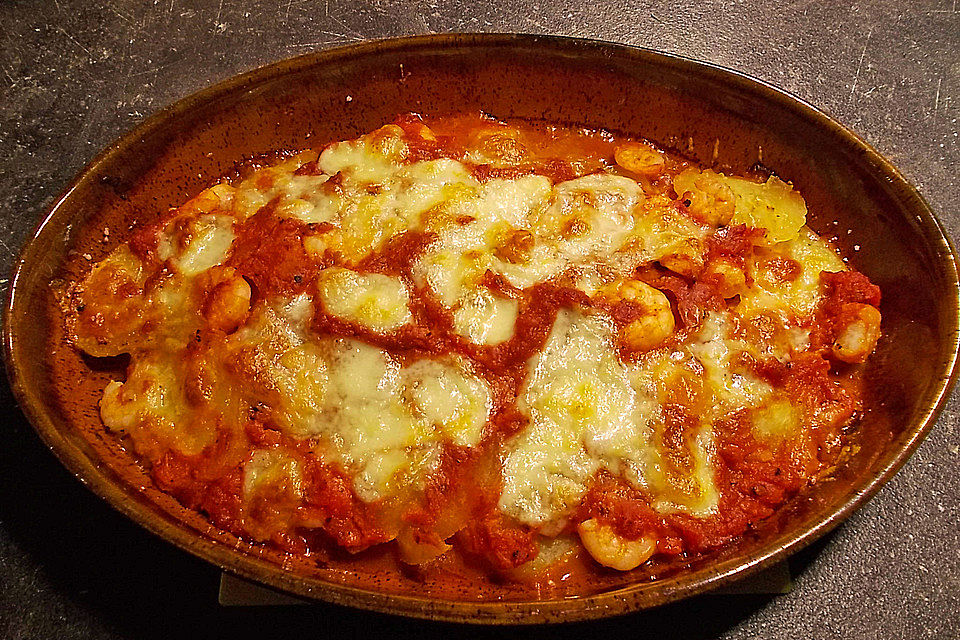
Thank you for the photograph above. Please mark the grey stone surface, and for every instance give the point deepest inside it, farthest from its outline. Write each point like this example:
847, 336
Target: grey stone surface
74, 75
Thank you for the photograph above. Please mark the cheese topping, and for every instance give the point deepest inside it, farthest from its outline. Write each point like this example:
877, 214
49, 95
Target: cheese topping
798, 297
577, 394
590, 411
490, 336
373, 300
484, 318
383, 418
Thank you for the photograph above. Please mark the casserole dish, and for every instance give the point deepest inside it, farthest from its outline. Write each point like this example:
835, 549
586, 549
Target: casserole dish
711, 115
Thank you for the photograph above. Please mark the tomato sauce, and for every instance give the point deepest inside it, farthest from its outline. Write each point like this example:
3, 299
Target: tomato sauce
269, 253
320, 516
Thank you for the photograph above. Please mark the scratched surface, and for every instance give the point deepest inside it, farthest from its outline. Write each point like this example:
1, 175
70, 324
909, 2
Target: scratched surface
74, 75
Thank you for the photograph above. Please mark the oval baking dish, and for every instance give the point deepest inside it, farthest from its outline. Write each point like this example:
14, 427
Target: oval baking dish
714, 116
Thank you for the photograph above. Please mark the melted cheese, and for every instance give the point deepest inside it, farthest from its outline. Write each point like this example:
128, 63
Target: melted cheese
305, 198
485, 318
587, 220
278, 184
448, 397
589, 411
377, 195
661, 230
469, 230
364, 160
778, 420
589, 217
384, 418
151, 406
375, 301
278, 366
585, 414
717, 351
270, 466
201, 243
576, 390
794, 298
113, 320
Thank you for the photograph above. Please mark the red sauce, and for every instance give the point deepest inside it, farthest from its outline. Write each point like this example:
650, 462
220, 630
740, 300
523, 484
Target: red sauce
846, 287
692, 299
269, 253
322, 516
734, 243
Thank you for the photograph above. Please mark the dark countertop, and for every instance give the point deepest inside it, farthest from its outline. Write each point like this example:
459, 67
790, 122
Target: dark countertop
75, 75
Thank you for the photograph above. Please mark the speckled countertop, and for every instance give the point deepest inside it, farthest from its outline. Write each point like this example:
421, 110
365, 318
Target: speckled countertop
74, 75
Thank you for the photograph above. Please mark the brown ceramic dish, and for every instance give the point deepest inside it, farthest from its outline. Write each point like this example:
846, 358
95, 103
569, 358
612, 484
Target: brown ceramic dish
713, 115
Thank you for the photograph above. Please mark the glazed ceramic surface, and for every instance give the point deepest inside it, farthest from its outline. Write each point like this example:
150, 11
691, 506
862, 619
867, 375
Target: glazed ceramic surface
714, 116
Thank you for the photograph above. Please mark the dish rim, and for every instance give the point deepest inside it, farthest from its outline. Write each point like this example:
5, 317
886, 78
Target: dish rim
614, 602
